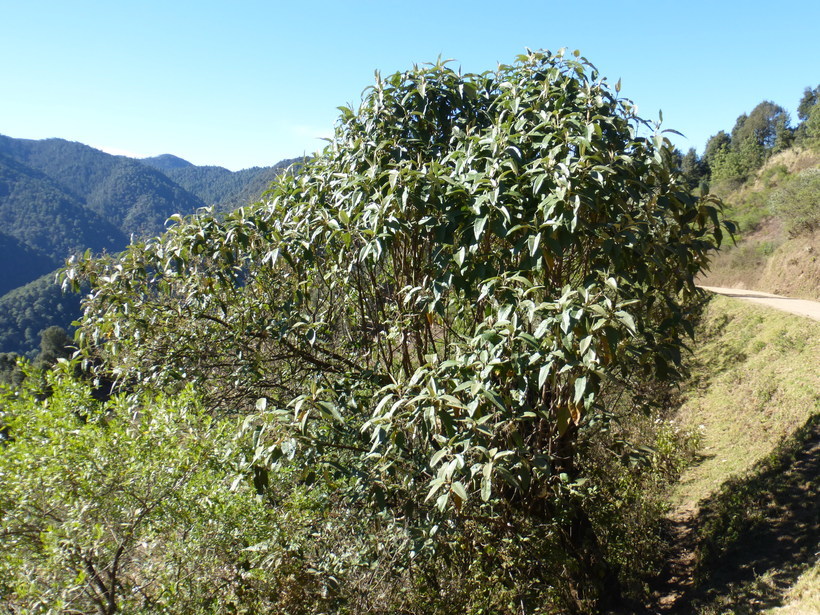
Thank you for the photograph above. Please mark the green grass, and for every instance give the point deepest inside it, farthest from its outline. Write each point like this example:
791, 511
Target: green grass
755, 380
754, 396
803, 597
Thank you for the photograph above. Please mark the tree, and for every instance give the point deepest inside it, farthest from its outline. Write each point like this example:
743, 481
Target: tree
767, 126
10, 372
716, 144
809, 100
755, 137
435, 309
54, 344
808, 132
693, 169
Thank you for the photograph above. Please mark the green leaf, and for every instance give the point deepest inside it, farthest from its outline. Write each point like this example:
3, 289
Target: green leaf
495, 399
331, 409
435, 485
543, 374
478, 226
458, 257
542, 329
562, 419
458, 489
486, 488
533, 242
437, 456
626, 318
580, 388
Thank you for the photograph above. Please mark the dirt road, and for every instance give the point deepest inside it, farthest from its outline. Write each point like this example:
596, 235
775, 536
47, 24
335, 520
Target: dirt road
810, 309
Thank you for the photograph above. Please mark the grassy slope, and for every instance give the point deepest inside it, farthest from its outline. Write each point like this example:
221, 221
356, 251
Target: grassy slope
754, 395
766, 258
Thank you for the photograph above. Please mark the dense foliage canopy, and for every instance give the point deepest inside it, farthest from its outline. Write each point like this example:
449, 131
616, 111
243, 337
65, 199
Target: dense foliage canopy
435, 315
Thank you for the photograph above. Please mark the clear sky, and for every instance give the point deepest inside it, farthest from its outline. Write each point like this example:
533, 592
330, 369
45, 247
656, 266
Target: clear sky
248, 83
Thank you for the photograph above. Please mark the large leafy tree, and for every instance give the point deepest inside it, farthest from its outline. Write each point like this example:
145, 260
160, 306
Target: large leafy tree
808, 132
436, 309
767, 126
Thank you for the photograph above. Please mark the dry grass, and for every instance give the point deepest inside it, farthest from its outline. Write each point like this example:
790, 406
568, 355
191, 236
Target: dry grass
765, 260
794, 159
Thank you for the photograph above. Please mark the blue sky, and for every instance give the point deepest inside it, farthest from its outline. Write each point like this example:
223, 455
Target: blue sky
247, 83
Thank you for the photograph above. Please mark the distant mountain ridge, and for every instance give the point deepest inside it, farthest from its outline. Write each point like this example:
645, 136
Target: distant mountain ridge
217, 185
60, 197
134, 197
166, 162
31, 263
46, 216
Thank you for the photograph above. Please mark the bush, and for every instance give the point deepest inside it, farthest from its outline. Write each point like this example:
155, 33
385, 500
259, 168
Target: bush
798, 202
426, 319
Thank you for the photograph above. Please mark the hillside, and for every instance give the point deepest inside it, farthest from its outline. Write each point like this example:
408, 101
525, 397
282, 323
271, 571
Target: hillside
29, 262
744, 524
26, 311
216, 185
133, 197
778, 217
166, 162
59, 198
46, 217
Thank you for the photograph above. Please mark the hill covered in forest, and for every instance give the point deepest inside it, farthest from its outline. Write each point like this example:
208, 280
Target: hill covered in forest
59, 198
217, 185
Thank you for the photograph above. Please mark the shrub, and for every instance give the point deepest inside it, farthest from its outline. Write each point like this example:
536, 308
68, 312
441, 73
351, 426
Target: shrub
429, 314
798, 202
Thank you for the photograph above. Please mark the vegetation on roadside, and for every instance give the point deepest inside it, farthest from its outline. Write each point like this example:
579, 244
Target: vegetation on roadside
768, 174
448, 342
778, 217
443, 370
754, 398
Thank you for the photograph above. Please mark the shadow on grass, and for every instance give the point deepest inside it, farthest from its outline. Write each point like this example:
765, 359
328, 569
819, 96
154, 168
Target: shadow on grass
760, 531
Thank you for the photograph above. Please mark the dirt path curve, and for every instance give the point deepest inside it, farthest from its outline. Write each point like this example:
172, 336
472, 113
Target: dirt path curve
802, 307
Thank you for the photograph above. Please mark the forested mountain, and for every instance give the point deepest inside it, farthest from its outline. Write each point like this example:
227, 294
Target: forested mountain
21, 263
26, 311
166, 162
59, 197
42, 214
135, 198
217, 185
